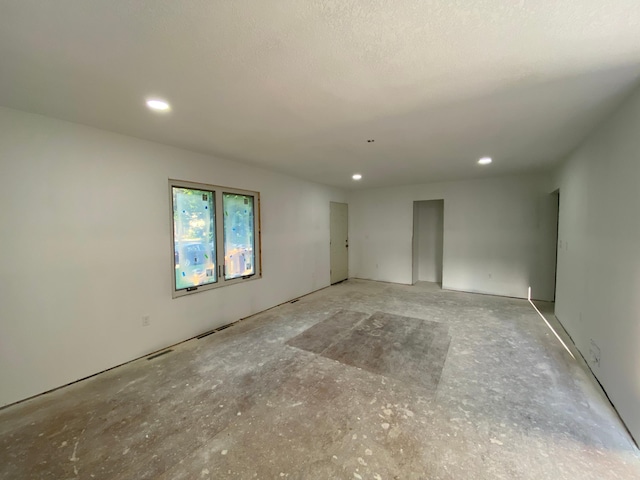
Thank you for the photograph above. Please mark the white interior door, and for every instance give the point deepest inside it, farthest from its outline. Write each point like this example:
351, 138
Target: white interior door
339, 233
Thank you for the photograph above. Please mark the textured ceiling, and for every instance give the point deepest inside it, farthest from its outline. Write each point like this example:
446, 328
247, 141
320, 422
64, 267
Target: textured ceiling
299, 86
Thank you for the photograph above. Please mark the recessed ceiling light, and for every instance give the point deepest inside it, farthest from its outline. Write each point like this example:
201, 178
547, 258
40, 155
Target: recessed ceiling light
158, 105
356, 176
485, 161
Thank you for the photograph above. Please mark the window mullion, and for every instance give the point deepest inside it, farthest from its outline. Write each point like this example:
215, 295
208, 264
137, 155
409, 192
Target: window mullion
220, 236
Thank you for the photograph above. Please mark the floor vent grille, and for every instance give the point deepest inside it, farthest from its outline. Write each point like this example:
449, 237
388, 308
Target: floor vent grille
225, 326
206, 334
211, 332
159, 354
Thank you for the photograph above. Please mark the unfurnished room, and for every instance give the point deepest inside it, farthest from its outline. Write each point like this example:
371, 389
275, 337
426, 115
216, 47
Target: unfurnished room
321, 239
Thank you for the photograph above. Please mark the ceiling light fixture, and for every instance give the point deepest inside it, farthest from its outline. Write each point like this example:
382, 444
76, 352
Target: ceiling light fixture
158, 105
485, 161
356, 176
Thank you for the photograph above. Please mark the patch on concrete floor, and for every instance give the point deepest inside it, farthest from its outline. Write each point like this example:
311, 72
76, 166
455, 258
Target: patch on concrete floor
403, 348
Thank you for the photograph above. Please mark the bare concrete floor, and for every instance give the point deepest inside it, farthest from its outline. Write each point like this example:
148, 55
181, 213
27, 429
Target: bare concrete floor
272, 397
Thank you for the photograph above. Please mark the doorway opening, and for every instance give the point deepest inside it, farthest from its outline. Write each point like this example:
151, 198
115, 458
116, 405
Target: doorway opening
339, 241
555, 235
428, 241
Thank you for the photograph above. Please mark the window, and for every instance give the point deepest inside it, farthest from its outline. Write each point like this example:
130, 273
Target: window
238, 235
215, 236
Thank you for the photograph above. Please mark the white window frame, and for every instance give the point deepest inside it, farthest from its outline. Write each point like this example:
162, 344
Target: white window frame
218, 192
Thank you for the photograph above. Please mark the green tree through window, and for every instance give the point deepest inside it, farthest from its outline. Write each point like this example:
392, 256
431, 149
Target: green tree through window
238, 235
194, 237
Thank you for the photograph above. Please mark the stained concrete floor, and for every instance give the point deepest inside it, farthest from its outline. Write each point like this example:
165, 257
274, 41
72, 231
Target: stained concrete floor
280, 395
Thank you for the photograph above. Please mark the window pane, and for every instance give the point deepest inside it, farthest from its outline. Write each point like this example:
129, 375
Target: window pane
194, 237
239, 255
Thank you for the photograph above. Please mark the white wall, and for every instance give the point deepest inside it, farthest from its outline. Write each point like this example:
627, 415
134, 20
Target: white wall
598, 295
85, 235
430, 247
499, 234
